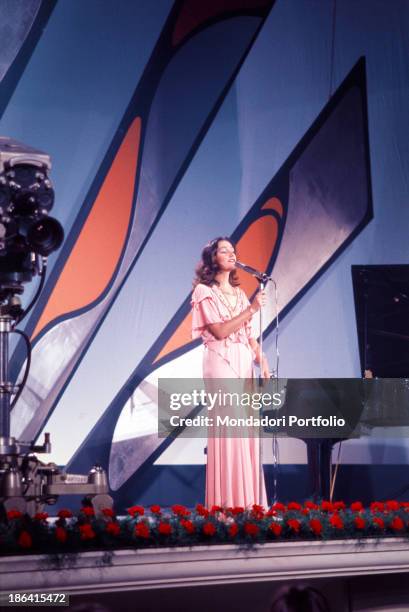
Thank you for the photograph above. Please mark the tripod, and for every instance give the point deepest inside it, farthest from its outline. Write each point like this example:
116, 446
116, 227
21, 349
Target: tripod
26, 484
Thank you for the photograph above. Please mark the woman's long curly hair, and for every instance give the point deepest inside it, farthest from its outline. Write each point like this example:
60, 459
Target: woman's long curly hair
207, 268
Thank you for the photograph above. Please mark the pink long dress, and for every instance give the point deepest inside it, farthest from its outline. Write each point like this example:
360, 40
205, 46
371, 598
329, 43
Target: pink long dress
233, 473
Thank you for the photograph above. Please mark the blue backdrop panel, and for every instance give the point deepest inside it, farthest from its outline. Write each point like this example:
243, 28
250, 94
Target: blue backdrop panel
72, 101
322, 215
60, 344
21, 25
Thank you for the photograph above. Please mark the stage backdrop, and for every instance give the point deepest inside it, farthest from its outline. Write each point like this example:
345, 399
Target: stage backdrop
282, 124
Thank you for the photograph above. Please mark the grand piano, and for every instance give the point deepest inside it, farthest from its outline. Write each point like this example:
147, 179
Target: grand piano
381, 397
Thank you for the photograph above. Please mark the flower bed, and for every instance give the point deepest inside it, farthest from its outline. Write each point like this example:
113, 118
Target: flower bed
180, 526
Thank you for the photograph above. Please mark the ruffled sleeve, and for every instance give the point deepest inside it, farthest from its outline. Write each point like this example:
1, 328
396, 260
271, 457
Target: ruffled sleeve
205, 310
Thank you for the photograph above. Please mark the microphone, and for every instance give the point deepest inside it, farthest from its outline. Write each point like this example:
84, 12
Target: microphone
260, 276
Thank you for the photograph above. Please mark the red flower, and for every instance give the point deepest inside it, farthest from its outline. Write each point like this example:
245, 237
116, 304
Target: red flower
237, 510
215, 509
113, 528
209, 529
293, 506
233, 530
359, 522
88, 511
61, 534
277, 507
25, 540
310, 505
404, 505
108, 512
392, 505
257, 511
397, 524
336, 521
357, 506
142, 530
377, 507
378, 522
41, 516
326, 506
271, 512
276, 528
86, 531
155, 509
339, 505
188, 525
14, 514
180, 510
294, 525
136, 510
305, 511
200, 509
251, 529
316, 526
164, 528
64, 513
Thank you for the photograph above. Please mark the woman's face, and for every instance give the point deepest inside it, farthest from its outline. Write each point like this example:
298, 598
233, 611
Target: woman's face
225, 255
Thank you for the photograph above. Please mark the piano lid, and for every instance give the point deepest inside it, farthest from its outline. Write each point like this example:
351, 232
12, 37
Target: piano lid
382, 317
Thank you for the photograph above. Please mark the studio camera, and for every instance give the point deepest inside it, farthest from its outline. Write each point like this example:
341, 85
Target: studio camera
28, 234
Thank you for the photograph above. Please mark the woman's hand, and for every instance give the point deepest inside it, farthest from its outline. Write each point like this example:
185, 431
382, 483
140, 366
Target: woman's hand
264, 367
260, 300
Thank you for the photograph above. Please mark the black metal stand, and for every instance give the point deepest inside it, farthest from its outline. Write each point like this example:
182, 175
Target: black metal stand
319, 466
7, 444
26, 483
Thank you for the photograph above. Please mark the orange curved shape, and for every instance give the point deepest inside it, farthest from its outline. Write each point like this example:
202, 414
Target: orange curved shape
273, 204
182, 336
95, 255
255, 248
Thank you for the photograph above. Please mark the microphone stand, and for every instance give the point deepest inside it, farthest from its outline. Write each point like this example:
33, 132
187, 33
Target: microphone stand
260, 377
261, 384
263, 279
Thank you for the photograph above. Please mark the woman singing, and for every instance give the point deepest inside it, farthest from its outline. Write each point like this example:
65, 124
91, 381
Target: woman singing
222, 318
